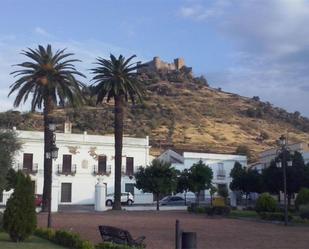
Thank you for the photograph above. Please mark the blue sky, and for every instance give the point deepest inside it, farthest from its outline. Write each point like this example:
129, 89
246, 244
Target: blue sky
252, 47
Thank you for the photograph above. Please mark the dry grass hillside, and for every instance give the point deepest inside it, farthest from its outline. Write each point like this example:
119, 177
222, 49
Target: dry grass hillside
184, 115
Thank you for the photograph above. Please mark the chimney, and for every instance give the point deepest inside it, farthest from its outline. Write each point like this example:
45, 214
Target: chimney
67, 127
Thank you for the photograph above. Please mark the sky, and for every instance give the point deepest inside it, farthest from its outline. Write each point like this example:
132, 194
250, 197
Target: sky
250, 47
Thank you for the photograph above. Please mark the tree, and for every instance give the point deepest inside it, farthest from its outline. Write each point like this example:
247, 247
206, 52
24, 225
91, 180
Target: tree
19, 219
183, 183
117, 79
212, 191
51, 79
272, 179
223, 191
237, 174
157, 178
243, 150
9, 145
200, 178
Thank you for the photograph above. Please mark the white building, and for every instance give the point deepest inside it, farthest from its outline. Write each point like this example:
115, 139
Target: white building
221, 164
82, 159
265, 157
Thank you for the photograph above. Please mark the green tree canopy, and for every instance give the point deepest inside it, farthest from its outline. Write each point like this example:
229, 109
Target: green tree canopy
157, 178
9, 145
200, 177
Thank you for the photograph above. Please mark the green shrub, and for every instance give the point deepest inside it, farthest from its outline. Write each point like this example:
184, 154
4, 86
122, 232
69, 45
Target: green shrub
107, 245
266, 203
302, 197
274, 216
45, 233
64, 238
304, 211
19, 219
218, 210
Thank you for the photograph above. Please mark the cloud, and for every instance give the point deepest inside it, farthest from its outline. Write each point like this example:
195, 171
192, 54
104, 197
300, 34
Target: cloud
42, 32
270, 40
199, 12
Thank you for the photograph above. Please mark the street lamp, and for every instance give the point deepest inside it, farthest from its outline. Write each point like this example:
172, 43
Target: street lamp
284, 162
51, 154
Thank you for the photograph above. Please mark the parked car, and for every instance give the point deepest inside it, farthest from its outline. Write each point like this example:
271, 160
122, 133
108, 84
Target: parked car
173, 201
38, 200
126, 198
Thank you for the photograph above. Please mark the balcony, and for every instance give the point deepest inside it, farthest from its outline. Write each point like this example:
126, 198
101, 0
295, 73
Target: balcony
221, 175
98, 171
31, 169
66, 169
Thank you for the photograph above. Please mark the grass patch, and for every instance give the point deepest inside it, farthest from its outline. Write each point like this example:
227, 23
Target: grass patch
32, 243
243, 214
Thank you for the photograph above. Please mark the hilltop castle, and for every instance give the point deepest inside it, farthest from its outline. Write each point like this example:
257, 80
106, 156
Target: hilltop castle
158, 65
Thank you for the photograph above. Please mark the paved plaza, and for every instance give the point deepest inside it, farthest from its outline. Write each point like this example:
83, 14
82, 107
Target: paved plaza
159, 229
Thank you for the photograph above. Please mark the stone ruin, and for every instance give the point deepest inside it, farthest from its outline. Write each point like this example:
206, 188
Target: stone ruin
156, 64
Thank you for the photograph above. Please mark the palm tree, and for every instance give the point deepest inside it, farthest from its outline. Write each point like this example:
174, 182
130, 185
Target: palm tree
50, 79
116, 79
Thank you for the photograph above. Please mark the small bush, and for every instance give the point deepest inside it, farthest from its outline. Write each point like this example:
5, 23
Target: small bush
19, 219
274, 216
218, 210
46, 233
266, 203
302, 197
304, 211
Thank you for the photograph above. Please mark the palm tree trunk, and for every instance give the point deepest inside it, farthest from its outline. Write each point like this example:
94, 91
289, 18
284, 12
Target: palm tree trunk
48, 106
118, 150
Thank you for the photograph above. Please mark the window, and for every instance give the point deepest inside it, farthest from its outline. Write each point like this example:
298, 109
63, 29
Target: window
66, 192
102, 164
67, 163
129, 188
28, 161
1, 196
176, 198
129, 166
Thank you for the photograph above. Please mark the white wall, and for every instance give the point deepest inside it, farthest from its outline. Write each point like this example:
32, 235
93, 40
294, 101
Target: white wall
213, 160
83, 149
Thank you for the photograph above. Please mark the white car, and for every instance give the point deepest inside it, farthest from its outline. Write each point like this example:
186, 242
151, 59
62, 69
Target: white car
126, 198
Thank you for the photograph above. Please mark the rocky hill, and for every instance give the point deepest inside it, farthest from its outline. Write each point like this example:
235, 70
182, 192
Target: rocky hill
183, 113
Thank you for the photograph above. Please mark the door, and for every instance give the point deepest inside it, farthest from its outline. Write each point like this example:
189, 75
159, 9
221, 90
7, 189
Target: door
129, 166
28, 161
66, 163
102, 164
66, 192
129, 188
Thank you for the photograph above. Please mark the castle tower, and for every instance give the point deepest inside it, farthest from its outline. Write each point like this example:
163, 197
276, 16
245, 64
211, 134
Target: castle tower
157, 62
179, 63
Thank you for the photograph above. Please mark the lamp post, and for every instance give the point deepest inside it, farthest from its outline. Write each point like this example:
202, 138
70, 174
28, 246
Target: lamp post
284, 162
51, 154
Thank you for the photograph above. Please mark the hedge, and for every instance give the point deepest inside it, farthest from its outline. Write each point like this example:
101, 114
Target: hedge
73, 240
275, 216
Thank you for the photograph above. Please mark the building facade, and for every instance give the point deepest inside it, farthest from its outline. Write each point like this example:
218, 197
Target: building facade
221, 165
265, 157
82, 160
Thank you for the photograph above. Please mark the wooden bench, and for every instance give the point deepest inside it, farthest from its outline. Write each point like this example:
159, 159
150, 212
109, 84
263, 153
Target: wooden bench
120, 236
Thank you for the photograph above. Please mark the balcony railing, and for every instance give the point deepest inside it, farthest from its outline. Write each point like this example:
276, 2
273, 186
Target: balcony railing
28, 170
66, 170
97, 171
221, 175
